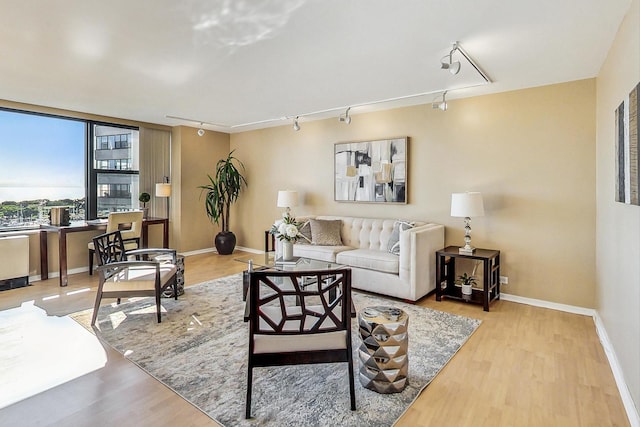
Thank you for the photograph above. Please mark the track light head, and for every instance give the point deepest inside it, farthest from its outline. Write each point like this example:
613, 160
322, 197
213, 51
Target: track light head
447, 62
440, 104
200, 132
296, 126
346, 118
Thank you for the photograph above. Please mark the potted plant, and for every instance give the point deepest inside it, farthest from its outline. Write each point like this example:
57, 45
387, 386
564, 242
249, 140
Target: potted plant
144, 199
221, 192
466, 282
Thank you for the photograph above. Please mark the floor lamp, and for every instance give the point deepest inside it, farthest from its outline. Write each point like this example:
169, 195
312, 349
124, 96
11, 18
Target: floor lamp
163, 189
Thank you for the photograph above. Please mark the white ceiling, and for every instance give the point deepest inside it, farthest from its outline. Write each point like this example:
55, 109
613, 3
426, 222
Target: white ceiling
233, 62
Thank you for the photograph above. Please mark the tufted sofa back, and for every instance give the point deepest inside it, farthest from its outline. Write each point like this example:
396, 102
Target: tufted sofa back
366, 233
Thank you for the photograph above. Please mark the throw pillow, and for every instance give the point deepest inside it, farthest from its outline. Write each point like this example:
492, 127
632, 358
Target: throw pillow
326, 232
304, 233
394, 241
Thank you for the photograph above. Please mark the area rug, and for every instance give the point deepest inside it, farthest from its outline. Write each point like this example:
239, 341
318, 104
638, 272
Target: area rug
200, 350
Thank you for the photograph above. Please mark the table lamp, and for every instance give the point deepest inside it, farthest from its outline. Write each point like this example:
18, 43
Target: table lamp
287, 199
467, 205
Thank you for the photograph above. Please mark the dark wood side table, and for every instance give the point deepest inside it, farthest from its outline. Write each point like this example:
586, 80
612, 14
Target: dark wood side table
78, 226
446, 275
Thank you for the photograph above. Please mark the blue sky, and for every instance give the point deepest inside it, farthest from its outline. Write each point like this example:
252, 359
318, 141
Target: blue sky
40, 157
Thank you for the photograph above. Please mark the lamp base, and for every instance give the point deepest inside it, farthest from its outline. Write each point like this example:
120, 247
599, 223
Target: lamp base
466, 250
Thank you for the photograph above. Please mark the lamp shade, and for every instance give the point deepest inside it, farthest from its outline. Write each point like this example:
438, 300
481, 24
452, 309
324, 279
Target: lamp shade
467, 204
287, 198
163, 189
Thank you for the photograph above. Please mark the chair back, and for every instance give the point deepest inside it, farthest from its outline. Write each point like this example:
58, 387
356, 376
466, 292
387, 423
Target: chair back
109, 248
129, 223
300, 303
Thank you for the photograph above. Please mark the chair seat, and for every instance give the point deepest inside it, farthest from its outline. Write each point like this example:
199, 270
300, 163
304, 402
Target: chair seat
139, 278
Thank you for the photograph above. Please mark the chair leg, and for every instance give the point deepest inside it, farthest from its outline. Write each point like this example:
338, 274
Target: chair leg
175, 288
249, 384
96, 307
158, 305
91, 254
352, 389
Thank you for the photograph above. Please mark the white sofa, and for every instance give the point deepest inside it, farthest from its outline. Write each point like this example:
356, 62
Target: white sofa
409, 275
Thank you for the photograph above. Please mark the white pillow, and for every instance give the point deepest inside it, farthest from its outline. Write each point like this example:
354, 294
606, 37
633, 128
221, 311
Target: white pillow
393, 246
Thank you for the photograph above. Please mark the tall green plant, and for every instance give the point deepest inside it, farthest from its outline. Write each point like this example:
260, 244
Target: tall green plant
223, 190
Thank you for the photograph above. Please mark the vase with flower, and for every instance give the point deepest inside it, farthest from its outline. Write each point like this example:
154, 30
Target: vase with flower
287, 231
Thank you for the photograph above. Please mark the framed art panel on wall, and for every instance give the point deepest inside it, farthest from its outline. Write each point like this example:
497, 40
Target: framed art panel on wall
627, 116
371, 171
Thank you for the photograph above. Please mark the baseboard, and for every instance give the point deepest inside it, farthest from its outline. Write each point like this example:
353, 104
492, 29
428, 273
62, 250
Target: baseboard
198, 252
618, 375
250, 250
547, 304
625, 394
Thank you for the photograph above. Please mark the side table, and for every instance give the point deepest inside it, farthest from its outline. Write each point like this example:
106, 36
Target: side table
383, 352
446, 274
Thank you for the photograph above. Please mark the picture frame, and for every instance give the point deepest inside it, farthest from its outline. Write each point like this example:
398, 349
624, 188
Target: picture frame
373, 171
627, 117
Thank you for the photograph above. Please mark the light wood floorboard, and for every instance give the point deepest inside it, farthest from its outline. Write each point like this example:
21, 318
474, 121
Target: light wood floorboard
524, 366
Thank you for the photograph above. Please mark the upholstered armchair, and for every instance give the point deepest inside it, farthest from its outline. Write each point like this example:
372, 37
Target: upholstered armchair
121, 277
299, 317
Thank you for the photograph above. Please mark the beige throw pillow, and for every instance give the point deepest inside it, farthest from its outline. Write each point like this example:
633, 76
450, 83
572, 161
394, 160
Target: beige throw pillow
326, 232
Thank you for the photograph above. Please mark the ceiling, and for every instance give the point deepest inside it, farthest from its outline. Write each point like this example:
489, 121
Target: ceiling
245, 64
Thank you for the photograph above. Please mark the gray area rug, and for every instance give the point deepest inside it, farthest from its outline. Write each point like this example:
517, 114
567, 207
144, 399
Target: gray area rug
200, 351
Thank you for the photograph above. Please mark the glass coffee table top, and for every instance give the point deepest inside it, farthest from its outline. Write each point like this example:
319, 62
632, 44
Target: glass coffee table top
268, 260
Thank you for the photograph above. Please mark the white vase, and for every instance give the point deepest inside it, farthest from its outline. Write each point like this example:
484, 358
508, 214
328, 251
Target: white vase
287, 250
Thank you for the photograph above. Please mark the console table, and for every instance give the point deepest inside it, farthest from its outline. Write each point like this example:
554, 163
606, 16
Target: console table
78, 226
446, 270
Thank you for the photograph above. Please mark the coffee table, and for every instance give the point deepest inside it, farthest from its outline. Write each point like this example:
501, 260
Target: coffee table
267, 260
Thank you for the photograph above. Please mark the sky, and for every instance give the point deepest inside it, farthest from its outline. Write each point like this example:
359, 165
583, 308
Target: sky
40, 157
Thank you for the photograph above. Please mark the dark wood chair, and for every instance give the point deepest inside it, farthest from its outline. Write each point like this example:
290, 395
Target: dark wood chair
120, 277
299, 317
130, 226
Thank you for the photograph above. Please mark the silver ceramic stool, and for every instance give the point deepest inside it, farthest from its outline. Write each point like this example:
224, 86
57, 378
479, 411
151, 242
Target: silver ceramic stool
383, 353
168, 293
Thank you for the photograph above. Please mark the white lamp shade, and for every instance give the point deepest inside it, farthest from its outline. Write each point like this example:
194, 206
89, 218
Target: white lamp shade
467, 204
287, 198
163, 190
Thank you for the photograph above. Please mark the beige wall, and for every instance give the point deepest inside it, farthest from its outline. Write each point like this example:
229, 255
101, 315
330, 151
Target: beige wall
618, 225
531, 153
193, 157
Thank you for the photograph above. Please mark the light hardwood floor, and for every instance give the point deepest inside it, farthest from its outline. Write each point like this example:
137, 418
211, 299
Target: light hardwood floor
524, 366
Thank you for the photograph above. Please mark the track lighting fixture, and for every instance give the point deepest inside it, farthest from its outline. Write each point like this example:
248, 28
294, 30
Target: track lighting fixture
447, 62
441, 105
346, 118
200, 131
296, 126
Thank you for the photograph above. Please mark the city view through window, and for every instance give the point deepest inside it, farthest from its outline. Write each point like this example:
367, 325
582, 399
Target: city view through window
43, 165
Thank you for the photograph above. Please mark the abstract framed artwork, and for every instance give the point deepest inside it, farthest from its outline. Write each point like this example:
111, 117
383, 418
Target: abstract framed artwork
627, 160
371, 171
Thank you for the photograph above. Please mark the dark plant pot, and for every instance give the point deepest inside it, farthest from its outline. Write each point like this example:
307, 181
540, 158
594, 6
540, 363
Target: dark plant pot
225, 242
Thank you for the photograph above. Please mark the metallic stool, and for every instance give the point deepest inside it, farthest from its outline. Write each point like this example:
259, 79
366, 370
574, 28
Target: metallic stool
383, 352
168, 293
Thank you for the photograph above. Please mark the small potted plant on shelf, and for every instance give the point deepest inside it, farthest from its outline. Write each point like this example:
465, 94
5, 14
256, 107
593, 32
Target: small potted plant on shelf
144, 199
466, 282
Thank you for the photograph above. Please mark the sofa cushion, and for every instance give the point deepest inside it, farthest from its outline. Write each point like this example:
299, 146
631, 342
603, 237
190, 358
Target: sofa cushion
394, 240
304, 233
326, 232
370, 259
322, 253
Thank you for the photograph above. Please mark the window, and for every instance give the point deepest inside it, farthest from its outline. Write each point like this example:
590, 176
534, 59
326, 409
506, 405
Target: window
42, 165
114, 169
46, 161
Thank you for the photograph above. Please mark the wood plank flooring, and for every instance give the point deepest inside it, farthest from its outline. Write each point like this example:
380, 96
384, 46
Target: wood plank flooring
524, 366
